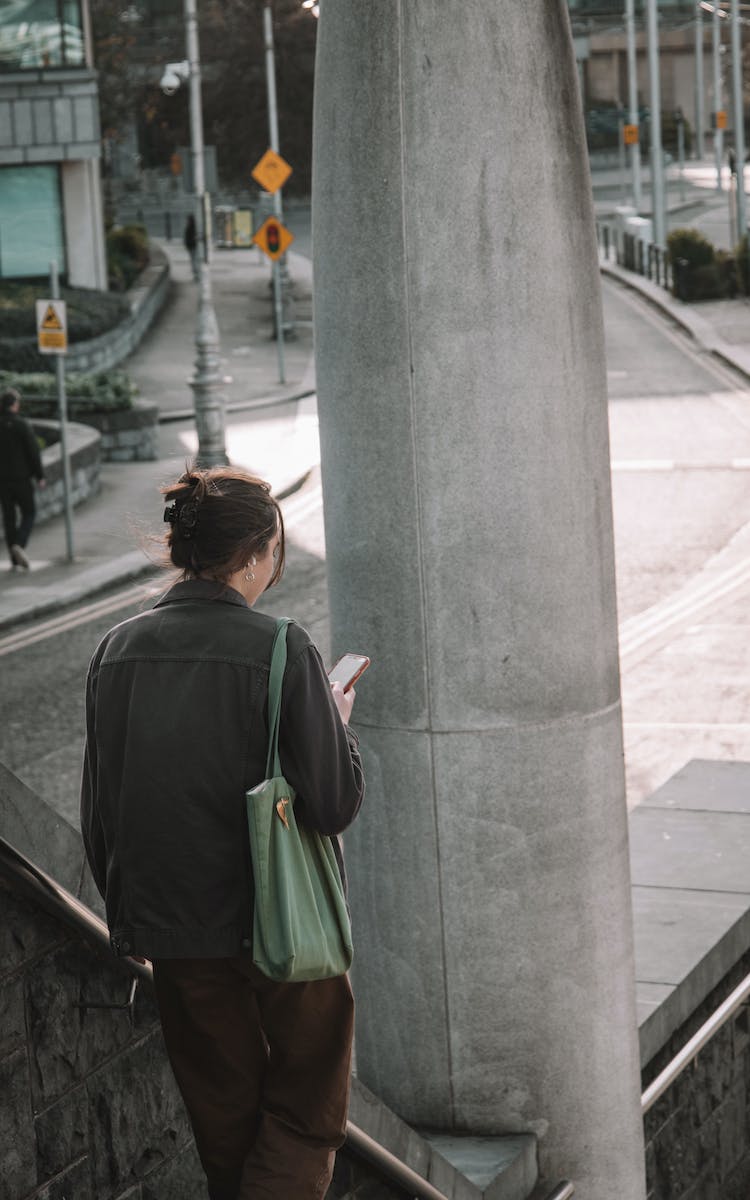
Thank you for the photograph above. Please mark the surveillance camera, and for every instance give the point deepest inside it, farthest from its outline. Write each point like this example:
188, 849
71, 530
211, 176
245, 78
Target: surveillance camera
169, 83
174, 74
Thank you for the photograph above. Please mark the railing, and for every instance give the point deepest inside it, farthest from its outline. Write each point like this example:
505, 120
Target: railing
30, 881
644, 258
690, 1051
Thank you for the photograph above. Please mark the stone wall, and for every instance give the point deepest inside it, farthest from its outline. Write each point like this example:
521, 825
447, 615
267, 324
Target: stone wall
129, 434
698, 1133
147, 298
88, 1106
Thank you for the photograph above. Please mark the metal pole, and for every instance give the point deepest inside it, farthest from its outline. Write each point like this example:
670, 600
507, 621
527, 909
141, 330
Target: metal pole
279, 270
62, 412
657, 154
207, 379
699, 87
635, 150
739, 120
718, 133
681, 152
621, 150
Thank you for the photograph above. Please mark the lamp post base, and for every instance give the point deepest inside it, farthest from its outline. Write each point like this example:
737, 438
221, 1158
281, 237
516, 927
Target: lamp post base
207, 382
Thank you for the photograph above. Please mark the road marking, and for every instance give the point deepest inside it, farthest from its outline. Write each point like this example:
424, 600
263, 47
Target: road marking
671, 464
298, 508
663, 618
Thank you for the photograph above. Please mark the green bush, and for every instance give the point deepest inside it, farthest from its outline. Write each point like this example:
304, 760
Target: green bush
89, 312
127, 255
690, 245
103, 391
740, 254
699, 271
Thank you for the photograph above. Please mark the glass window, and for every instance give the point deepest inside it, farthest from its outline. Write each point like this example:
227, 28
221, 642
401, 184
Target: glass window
40, 33
31, 221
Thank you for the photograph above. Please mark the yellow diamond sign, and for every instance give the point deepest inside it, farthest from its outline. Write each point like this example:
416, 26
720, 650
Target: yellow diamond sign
271, 171
273, 238
51, 326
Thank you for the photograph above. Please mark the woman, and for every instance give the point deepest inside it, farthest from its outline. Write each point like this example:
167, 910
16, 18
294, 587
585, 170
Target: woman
176, 734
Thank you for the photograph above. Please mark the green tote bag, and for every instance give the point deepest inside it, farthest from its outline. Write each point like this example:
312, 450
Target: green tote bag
301, 928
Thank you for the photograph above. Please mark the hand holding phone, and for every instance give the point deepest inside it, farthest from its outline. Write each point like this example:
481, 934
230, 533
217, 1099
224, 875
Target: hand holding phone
348, 670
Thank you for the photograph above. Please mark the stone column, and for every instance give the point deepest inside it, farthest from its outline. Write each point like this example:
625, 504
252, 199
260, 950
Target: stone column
463, 407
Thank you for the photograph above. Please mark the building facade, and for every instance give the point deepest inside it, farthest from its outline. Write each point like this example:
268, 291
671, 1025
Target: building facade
50, 188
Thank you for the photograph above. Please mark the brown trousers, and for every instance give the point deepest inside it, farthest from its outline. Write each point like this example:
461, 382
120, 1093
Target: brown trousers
263, 1069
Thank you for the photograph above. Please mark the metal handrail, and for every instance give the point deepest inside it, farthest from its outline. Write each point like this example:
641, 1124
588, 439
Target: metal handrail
34, 883
692, 1048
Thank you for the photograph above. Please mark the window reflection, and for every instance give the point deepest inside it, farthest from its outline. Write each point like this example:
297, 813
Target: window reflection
40, 33
31, 224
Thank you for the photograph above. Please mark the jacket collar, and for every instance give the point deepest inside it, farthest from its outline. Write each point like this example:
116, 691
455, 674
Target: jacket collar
201, 589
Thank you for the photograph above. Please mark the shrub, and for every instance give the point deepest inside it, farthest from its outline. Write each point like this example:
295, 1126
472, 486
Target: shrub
691, 246
103, 391
740, 254
89, 312
127, 255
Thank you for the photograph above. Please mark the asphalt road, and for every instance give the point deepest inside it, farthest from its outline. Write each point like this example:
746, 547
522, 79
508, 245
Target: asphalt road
680, 434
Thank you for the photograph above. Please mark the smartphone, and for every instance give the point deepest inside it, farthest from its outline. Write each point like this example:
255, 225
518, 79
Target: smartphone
348, 669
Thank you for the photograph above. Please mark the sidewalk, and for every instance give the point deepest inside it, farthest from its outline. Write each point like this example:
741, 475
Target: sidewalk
718, 327
271, 429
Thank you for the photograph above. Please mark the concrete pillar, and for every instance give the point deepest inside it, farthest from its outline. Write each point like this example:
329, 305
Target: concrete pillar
462, 393
84, 224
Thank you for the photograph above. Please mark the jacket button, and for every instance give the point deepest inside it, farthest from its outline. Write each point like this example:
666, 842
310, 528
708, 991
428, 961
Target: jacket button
247, 944
125, 947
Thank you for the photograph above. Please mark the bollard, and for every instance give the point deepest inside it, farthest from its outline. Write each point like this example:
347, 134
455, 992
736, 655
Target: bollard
605, 232
168, 225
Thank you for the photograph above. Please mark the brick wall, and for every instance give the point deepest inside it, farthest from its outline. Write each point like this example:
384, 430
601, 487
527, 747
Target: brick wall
698, 1134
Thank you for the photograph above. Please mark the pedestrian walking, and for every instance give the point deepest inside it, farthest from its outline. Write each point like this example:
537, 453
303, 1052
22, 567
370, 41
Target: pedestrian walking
177, 732
20, 465
191, 243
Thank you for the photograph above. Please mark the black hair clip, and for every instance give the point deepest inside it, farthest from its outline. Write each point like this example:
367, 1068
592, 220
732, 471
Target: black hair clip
187, 517
170, 513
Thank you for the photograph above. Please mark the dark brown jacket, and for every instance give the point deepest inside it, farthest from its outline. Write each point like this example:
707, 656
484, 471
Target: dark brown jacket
19, 450
176, 712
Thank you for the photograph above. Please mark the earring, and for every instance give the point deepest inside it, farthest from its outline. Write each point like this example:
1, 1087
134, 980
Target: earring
250, 575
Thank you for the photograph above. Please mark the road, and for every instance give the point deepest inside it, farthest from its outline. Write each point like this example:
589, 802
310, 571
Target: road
680, 435
680, 445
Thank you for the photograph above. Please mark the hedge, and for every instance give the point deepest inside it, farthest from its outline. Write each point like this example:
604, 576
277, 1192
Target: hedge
105, 391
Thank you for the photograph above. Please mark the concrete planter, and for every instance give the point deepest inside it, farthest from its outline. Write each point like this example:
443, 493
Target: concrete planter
84, 445
128, 435
147, 298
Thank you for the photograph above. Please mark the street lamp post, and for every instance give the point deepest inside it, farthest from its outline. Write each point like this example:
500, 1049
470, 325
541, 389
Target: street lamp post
718, 106
699, 146
739, 120
635, 148
207, 380
657, 154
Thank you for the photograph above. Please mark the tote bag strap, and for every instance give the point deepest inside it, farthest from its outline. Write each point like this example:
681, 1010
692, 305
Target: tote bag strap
275, 681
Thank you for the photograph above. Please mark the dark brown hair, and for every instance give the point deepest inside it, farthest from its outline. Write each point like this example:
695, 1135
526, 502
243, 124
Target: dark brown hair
8, 399
218, 518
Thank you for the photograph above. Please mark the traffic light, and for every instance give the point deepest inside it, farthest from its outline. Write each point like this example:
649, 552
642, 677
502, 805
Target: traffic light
273, 237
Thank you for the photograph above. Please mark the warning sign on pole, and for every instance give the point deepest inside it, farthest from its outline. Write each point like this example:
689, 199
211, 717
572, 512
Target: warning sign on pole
630, 135
273, 238
51, 327
271, 171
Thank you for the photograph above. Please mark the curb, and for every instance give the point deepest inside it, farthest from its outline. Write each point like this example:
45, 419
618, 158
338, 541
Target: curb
97, 579
697, 328
187, 414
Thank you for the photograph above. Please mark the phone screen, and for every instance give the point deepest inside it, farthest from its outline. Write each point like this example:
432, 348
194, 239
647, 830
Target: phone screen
348, 669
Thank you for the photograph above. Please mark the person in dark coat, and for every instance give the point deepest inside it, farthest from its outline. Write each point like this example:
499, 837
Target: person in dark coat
20, 465
191, 243
176, 720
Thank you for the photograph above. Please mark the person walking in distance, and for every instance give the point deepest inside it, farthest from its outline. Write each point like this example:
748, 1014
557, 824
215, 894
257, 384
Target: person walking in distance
20, 465
176, 733
191, 243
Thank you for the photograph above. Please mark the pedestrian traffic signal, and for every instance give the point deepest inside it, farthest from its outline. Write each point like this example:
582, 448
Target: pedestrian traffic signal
273, 238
